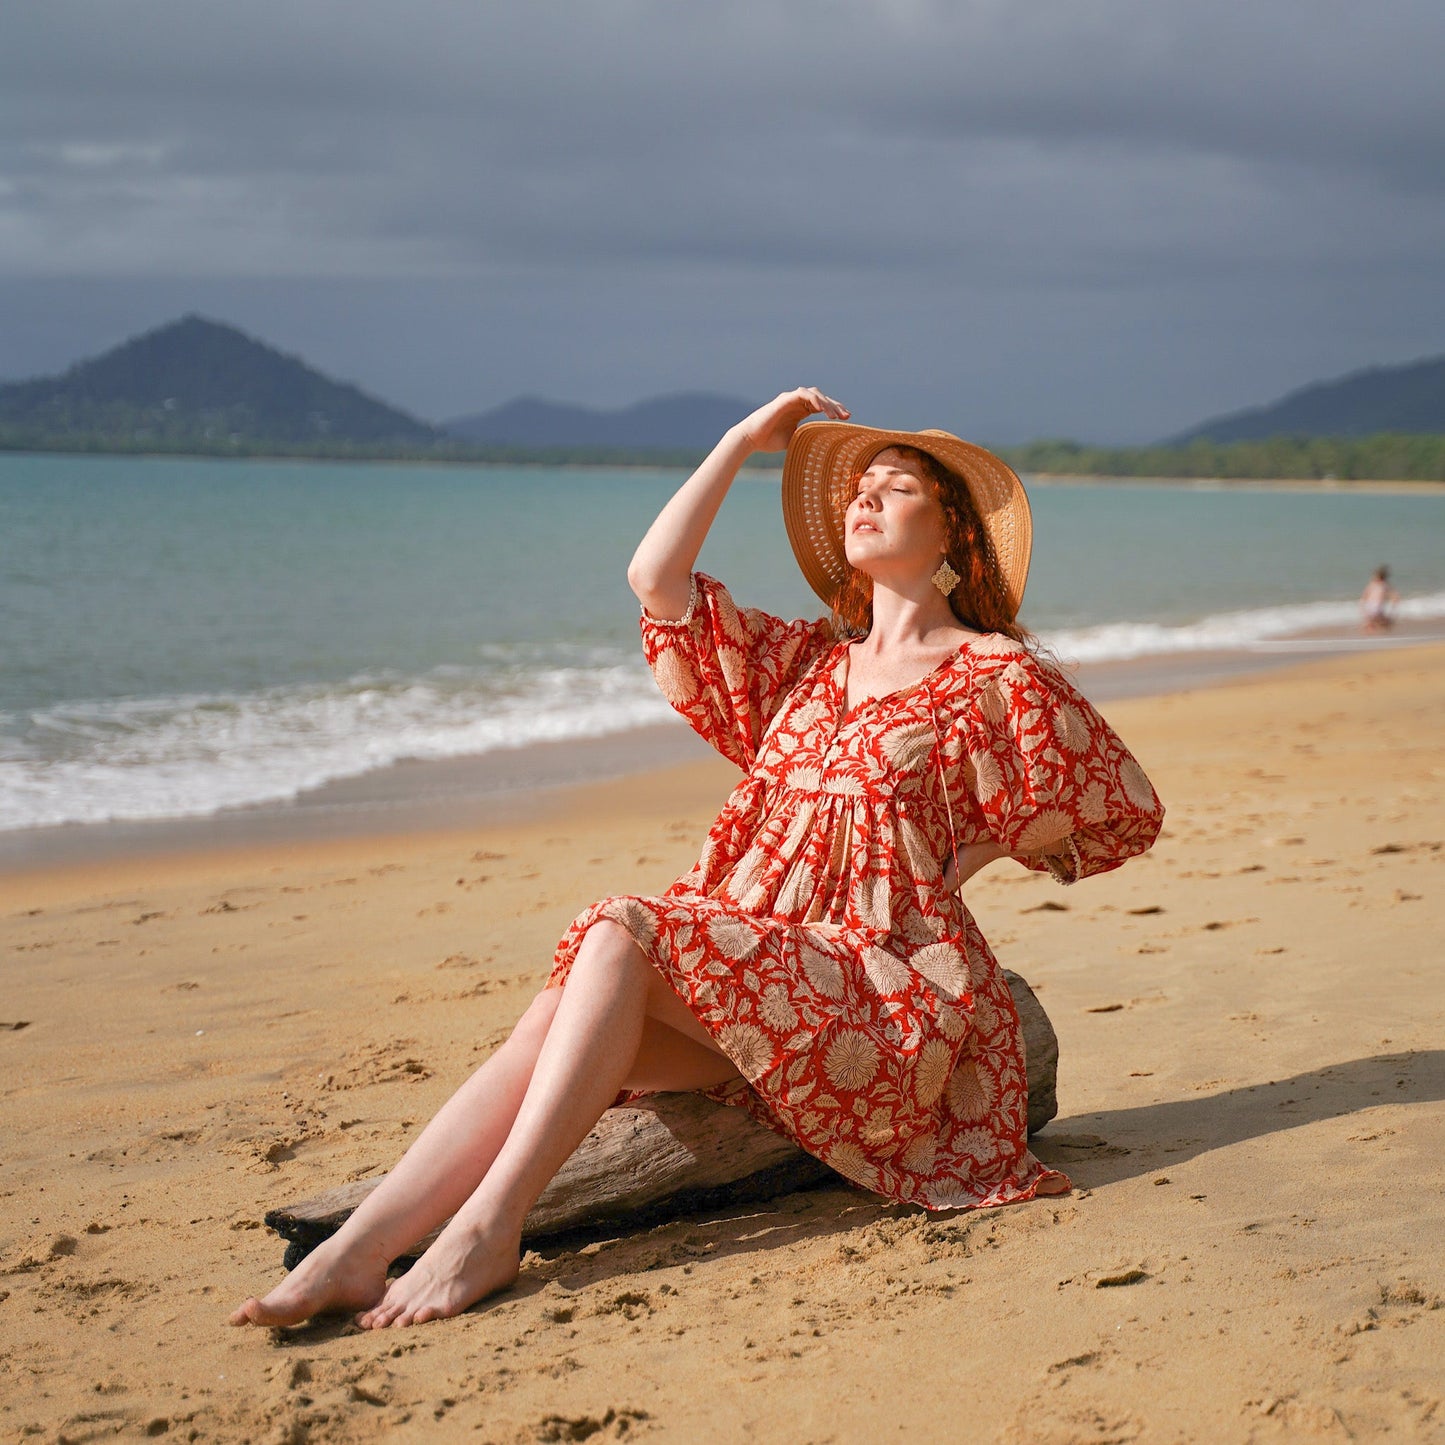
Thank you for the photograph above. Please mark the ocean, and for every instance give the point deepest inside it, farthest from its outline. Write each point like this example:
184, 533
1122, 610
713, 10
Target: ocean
180, 636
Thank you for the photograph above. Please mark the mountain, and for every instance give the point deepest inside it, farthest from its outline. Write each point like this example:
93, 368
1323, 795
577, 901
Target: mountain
199, 382
1408, 399
683, 421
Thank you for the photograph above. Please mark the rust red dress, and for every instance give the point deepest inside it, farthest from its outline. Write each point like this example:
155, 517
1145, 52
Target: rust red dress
815, 940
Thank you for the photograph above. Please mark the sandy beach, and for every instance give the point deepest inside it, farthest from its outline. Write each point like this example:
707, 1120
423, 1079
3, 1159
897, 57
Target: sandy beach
1252, 1108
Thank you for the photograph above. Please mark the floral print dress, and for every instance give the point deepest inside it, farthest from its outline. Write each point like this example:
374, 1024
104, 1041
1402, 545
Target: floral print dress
815, 939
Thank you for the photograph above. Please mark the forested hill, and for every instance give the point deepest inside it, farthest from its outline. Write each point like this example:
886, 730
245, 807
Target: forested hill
203, 388
683, 421
202, 383
1401, 399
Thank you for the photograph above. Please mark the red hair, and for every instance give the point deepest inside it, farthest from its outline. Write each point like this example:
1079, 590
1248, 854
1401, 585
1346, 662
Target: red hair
980, 601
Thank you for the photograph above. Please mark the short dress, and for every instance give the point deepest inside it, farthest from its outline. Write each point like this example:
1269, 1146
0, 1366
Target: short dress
815, 940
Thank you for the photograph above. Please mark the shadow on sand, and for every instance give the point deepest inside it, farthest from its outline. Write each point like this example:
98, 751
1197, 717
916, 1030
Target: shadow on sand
1094, 1149
1117, 1144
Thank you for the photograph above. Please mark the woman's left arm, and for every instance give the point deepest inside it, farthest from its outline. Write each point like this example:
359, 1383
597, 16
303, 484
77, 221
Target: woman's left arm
970, 859
1058, 789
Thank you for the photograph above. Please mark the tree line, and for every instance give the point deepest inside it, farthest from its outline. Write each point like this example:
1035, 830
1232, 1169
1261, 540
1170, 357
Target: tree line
1387, 456
1384, 457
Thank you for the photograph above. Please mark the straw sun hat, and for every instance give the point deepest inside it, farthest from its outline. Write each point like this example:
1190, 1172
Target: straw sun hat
824, 457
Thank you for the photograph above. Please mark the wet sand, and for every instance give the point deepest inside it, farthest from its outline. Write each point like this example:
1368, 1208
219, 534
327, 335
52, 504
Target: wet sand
1252, 1092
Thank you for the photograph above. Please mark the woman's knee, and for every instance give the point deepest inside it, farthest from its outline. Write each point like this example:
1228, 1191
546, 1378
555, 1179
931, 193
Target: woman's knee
608, 940
537, 1017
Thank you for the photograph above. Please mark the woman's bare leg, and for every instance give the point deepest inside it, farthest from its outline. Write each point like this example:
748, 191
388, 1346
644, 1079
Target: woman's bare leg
435, 1175
594, 1047
444, 1165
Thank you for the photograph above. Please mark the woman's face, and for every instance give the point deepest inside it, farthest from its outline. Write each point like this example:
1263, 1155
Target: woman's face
893, 527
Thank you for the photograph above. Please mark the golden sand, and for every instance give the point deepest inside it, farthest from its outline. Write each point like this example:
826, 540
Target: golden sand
1251, 1093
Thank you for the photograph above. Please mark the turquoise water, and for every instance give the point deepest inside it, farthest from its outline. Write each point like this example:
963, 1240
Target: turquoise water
184, 635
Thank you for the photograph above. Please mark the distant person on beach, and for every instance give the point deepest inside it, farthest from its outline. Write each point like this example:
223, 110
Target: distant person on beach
1378, 602
818, 966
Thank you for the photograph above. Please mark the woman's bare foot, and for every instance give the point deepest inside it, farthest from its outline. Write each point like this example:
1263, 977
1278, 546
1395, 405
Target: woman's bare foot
465, 1264
331, 1279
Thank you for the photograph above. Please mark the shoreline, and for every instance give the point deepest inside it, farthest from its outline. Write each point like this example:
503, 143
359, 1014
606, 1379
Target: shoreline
764, 467
1376, 487
511, 785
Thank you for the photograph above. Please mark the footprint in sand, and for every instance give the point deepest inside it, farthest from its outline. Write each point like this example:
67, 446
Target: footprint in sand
1075, 1362
1122, 1277
1399, 1304
1085, 1146
615, 1424
1043, 1422
632, 1304
377, 1064
460, 960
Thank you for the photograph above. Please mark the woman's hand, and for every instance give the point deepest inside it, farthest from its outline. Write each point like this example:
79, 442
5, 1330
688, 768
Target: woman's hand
770, 428
968, 860
661, 569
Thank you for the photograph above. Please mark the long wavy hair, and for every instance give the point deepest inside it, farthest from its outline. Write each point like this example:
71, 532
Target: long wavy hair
980, 601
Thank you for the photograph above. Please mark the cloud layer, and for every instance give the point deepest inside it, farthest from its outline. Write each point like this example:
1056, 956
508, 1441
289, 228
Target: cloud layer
1107, 219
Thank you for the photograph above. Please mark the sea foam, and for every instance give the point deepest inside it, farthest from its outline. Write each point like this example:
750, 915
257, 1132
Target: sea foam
191, 756
1222, 632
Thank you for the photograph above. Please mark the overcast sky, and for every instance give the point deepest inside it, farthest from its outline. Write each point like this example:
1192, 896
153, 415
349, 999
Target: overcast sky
1106, 220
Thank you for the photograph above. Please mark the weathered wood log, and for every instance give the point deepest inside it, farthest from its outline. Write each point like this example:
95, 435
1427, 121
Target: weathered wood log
667, 1155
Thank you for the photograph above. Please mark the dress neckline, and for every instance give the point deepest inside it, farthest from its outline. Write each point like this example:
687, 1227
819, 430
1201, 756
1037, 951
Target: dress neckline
840, 688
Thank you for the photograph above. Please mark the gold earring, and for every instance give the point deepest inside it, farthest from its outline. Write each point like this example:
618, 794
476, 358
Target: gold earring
946, 579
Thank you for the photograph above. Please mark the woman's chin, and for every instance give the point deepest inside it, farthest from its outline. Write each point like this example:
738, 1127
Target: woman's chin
862, 553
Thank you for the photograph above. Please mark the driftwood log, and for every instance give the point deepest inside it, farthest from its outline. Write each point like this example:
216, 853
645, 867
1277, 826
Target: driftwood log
669, 1154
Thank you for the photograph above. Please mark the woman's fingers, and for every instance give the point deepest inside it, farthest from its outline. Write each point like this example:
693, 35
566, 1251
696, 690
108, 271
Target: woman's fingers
821, 401
771, 427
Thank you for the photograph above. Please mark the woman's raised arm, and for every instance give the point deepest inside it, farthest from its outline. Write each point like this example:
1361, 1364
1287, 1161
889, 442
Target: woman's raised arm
660, 572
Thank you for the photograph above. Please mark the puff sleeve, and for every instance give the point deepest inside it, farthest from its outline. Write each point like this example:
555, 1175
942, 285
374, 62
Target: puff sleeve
1053, 783
727, 668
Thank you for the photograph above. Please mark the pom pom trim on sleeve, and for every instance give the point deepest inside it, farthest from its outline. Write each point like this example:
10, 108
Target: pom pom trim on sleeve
685, 620
1058, 863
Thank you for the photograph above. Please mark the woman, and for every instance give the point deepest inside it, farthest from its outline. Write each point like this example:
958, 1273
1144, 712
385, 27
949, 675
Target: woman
817, 965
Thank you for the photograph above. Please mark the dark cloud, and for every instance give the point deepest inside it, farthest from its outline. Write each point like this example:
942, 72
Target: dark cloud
1107, 219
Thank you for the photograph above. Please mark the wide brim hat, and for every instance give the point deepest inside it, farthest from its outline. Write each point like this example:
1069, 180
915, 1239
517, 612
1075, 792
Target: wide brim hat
824, 457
